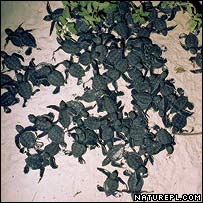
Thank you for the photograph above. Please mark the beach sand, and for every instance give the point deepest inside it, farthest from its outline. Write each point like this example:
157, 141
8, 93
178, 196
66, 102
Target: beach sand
179, 173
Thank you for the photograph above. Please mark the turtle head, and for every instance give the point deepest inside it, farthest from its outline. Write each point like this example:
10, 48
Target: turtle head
8, 31
47, 18
19, 77
114, 174
19, 128
4, 54
62, 105
32, 118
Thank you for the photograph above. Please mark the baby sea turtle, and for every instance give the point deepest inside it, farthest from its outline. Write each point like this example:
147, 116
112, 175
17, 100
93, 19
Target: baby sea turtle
77, 150
191, 42
26, 139
111, 184
179, 121
42, 122
160, 26
52, 16
135, 183
14, 37
49, 152
90, 95
12, 62
53, 76
36, 162
135, 162
6, 80
198, 60
65, 115
113, 155
165, 138
92, 123
56, 134
9, 98
69, 46
21, 37
24, 87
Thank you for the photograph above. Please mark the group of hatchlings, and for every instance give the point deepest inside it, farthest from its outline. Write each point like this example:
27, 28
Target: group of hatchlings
118, 133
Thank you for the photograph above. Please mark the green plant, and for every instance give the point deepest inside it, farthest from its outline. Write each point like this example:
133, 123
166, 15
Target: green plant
140, 16
91, 12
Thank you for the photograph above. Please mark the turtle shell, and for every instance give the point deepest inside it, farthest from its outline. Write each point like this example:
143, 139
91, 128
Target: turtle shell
5, 79
42, 123
99, 83
34, 161
143, 99
56, 78
179, 121
92, 123
25, 90
70, 46
56, 134
115, 153
180, 104
8, 99
81, 26
132, 182
109, 104
64, 118
12, 63
114, 56
198, 59
122, 30
85, 58
164, 137
52, 149
160, 26
110, 186
107, 133
76, 70
191, 41
134, 161
122, 65
28, 39
78, 149
133, 59
137, 134
28, 139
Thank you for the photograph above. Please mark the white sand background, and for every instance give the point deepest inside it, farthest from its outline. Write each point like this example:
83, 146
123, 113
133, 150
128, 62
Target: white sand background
179, 173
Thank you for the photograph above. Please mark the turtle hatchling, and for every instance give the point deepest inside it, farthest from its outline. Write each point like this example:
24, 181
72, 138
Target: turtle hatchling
12, 62
111, 184
52, 16
27, 139
191, 42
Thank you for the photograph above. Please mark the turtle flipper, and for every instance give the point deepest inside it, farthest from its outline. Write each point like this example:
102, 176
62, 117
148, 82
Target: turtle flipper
49, 10
54, 107
57, 90
52, 27
101, 189
24, 102
81, 160
37, 90
28, 51
19, 56
53, 163
7, 109
7, 41
17, 141
41, 173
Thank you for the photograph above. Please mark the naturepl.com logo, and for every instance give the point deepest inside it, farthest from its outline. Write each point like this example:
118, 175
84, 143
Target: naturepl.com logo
167, 198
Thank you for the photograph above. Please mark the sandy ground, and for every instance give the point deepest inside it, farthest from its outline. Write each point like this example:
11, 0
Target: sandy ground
179, 173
